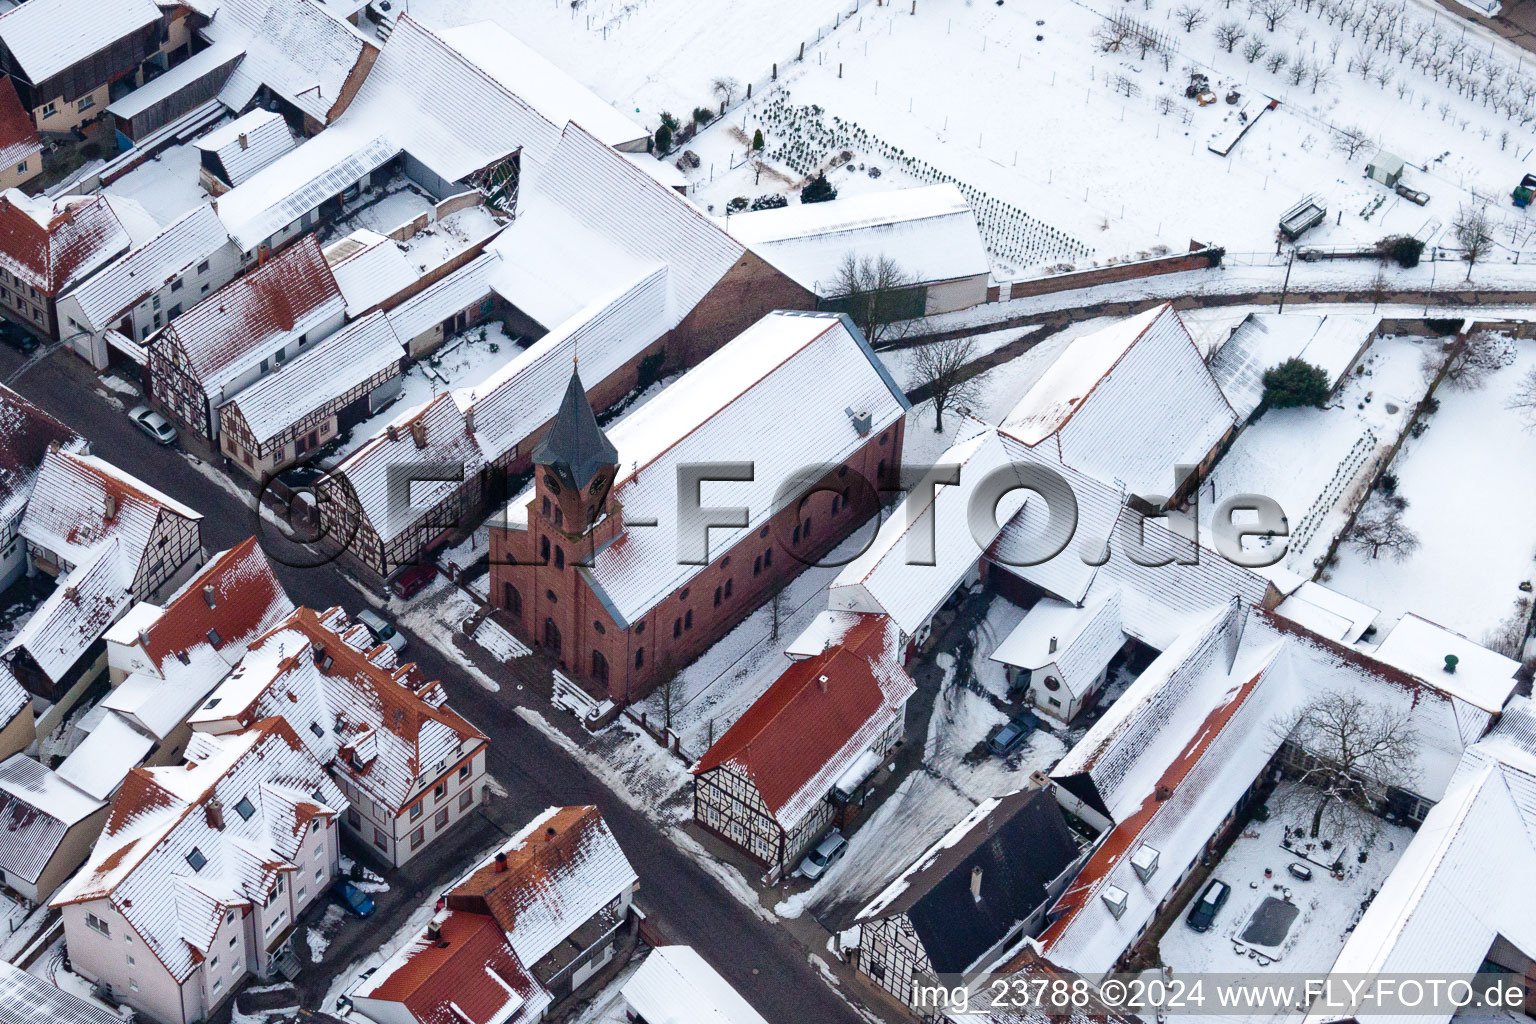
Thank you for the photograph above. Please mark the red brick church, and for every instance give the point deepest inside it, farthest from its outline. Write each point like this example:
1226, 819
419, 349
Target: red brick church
587, 561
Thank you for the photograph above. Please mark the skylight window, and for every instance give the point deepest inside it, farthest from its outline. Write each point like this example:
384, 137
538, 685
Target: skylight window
245, 808
214, 638
196, 859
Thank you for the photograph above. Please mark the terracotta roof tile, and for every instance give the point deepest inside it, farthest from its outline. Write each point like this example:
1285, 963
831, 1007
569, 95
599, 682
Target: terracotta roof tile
49, 244
18, 135
439, 980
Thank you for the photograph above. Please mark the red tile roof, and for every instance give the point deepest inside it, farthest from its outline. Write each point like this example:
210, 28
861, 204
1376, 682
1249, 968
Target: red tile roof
807, 716
244, 594
18, 135
48, 243
25, 434
439, 980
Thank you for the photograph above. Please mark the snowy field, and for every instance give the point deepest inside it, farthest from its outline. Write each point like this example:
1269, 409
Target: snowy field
1470, 490
1329, 907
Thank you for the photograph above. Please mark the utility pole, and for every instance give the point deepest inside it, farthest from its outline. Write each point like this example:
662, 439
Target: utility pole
1286, 286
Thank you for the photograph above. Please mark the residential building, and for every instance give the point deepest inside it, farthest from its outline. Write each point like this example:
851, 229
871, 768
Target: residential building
21, 150
28, 999
411, 767
241, 333
49, 827
202, 870
233, 152
928, 233
540, 918
110, 315
110, 540
987, 883
1058, 655
26, 433
307, 401
49, 245
794, 764
573, 578
676, 986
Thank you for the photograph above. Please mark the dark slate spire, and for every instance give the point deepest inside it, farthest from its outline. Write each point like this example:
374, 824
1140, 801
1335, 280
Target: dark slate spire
575, 445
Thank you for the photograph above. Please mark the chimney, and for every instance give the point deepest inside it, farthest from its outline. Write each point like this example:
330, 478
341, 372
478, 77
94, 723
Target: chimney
1053, 645
976, 883
215, 813
862, 421
143, 638
549, 833
419, 433
263, 253
435, 926
1450, 663
469, 420
393, 432
72, 593
208, 595
500, 864
245, 141
821, 683
109, 507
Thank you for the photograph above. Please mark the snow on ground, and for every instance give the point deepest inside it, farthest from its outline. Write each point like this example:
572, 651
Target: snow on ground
50, 967
435, 615
607, 1006
1329, 907
1470, 490
398, 203
319, 935
1002, 616
711, 693
1342, 444
500, 644
165, 186
902, 362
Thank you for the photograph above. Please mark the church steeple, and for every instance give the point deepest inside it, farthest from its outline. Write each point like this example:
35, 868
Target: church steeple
578, 460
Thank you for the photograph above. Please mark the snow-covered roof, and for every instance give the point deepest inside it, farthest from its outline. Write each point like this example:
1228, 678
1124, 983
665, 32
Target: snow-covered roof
432, 305
160, 815
929, 544
1264, 340
18, 133
192, 71
49, 36
590, 221
361, 702
28, 999
51, 244
369, 268
105, 757
295, 48
1327, 612
37, 809
816, 720
319, 376
248, 143
532, 78
1079, 641
550, 878
255, 315
185, 242
929, 231
1483, 678
293, 185
1127, 404
25, 435
676, 986
14, 698
815, 363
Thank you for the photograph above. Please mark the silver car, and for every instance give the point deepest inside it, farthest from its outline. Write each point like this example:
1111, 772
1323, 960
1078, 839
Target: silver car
152, 423
827, 852
382, 631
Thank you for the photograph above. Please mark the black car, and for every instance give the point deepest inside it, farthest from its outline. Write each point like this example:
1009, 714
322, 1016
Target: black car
17, 336
1203, 913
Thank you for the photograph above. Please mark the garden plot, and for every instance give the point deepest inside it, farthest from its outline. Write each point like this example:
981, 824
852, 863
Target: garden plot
1314, 462
1306, 939
1469, 488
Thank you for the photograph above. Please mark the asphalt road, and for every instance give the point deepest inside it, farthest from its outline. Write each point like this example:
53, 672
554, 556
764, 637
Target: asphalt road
682, 900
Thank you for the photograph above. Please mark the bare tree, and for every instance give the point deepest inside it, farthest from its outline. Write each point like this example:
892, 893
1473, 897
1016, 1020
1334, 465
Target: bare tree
1229, 34
1320, 74
1384, 75
1351, 140
725, 87
1523, 399
1253, 49
1275, 62
1191, 16
1111, 36
1467, 362
1298, 71
1379, 529
1473, 232
1508, 637
878, 294
943, 369
1348, 752
1273, 12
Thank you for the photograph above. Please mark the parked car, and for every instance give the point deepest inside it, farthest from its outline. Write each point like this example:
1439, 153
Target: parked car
413, 580
17, 336
353, 898
382, 631
1013, 734
1299, 871
152, 423
827, 852
1203, 914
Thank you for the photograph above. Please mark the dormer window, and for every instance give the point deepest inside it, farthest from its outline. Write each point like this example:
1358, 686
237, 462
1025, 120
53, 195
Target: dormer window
196, 859
212, 703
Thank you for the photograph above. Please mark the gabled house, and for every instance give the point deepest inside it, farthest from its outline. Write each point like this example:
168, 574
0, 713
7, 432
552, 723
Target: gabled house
47, 246
410, 766
573, 578
1059, 654
794, 763
47, 827
26, 434
111, 540
235, 151
112, 313
21, 150
676, 986
539, 919
984, 885
241, 333
202, 870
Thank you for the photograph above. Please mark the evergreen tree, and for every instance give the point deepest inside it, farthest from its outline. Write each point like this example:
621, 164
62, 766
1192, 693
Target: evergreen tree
818, 190
1294, 383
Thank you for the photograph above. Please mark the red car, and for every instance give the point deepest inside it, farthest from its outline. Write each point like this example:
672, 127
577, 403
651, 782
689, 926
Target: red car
412, 581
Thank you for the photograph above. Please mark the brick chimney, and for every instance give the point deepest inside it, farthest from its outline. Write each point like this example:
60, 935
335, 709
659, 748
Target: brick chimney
109, 507
499, 865
208, 595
